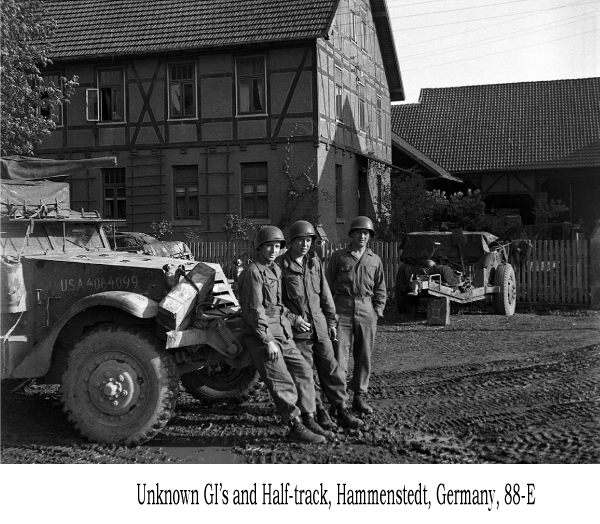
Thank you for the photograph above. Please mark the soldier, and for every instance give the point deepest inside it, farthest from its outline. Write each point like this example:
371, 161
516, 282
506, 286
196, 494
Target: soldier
306, 293
268, 337
356, 279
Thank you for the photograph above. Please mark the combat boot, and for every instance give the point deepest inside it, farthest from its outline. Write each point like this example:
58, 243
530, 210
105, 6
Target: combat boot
360, 404
324, 420
347, 419
299, 433
311, 424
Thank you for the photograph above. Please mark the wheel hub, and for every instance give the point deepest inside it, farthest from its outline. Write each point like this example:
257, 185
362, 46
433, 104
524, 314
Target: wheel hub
113, 387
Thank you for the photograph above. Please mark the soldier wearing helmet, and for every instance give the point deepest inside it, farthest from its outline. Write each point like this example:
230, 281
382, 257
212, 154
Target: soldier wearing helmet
306, 294
356, 278
267, 329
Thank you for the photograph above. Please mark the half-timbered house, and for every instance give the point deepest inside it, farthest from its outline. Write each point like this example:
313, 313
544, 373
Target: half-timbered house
269, 109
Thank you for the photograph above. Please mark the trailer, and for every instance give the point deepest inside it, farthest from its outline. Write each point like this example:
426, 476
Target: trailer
457, 266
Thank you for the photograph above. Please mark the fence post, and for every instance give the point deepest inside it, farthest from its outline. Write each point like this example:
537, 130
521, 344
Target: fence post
595, 267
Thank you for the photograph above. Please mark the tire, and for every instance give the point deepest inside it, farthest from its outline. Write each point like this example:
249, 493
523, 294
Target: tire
505, 301
124, 365
220, 383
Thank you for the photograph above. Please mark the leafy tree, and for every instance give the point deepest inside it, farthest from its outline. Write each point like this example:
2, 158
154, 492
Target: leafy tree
411, 207
467, 210
25, 99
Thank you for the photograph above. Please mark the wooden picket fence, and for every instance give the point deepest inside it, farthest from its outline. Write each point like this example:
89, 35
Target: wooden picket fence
554, 272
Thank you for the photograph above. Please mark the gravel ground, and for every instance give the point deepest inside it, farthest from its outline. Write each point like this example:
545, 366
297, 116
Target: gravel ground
485, 389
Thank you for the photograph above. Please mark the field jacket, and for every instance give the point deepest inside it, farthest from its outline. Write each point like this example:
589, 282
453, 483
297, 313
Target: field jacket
306, 293
263, 312
359, 279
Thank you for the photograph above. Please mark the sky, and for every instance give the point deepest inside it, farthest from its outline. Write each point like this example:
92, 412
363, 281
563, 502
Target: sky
447, 43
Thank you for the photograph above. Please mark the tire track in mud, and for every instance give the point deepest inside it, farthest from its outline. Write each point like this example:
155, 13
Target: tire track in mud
540, 409
483, 390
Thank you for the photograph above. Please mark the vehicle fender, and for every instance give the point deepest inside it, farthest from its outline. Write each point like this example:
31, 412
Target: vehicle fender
37, 363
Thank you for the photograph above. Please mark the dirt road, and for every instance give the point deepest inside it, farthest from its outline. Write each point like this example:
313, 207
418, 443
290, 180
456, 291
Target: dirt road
485, 389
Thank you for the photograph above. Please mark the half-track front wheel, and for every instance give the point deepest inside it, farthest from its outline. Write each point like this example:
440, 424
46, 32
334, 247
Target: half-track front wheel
220, 383
120, 387
505, 301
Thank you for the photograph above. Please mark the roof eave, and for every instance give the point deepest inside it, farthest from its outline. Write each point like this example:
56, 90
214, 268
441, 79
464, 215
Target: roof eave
422, 159
203, 49
383, 27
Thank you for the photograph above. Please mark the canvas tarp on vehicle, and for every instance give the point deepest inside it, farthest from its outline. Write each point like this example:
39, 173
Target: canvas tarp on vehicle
31, 168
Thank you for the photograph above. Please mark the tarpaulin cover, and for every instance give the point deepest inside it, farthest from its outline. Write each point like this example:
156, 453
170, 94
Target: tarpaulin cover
418, 247
31, 168
25, 198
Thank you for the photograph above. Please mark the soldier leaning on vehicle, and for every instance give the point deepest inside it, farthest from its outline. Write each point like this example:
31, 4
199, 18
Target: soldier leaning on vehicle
306, 293
356, 278
267, 333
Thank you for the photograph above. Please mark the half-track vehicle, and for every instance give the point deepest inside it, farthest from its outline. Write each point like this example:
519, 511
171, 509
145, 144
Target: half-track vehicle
479, 266
116, 330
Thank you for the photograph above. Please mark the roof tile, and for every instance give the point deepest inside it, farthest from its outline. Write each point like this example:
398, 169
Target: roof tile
88, 28
524, 125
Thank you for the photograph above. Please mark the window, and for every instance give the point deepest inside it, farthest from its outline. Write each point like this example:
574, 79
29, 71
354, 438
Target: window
251, 86
106, 104
339, 193
115, 199
362, 120
52, 81
353, 25
182, 91
185, 182
254, 190
339, 94
379, 119
364, 30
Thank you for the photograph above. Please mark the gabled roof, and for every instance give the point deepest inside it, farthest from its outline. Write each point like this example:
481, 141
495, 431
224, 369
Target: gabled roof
95, 28
383, 26
104, 28
525, 125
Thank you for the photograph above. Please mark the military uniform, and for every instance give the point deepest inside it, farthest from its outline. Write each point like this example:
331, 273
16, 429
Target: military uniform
358, 288
265, 319
448, 276
306, 293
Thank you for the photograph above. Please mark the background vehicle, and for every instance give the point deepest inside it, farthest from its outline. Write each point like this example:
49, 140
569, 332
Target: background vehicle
478, 260
116, 330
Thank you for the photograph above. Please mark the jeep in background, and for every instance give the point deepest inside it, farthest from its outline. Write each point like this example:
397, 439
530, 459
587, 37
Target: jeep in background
116, 330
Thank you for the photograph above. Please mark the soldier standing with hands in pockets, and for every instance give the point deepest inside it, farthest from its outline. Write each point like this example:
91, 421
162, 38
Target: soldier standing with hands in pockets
356, 279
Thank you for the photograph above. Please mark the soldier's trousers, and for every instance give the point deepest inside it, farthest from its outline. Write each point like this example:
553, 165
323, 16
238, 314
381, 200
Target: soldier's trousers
333, 381
357, 327
289, 379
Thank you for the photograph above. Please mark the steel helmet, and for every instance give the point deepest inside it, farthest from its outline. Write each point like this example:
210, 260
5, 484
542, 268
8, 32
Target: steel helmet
302, 228
362, 223
268, 234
